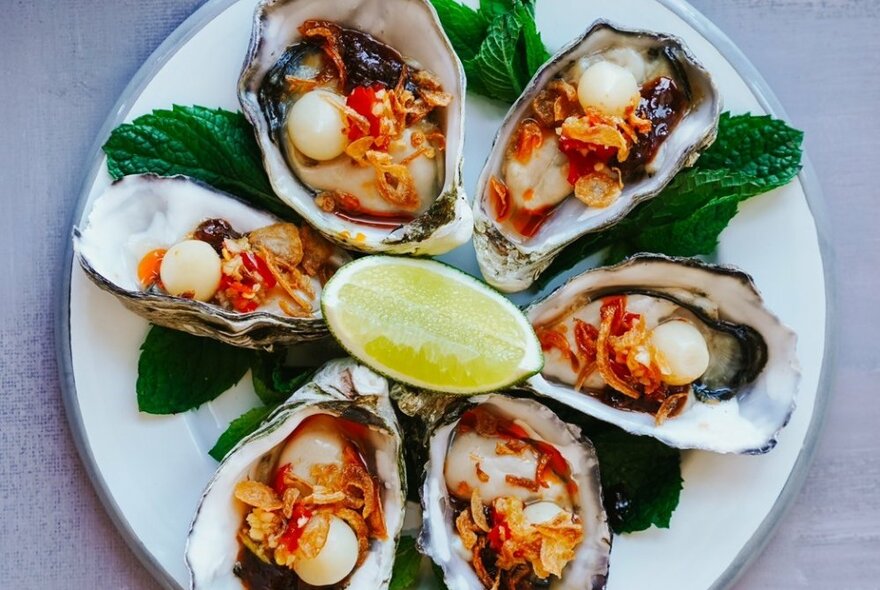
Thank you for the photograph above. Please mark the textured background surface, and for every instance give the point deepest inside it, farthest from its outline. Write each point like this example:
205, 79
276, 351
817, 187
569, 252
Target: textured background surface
63, 65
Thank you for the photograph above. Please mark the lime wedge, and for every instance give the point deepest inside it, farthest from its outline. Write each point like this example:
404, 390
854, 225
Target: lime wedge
429, 325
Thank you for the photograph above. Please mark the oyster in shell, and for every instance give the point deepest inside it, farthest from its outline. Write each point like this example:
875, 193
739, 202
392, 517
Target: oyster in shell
186, 256
313, 498
676, 349
512, 499
603, 126
358, 108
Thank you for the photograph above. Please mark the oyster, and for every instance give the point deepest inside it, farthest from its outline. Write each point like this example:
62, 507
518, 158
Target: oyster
315, 496
364, 140
676, 349
603, 126
186, 256
512, 499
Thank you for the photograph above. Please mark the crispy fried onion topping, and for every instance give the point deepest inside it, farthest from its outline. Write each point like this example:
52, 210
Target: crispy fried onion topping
555, 103
394, 181
294, 524
621, 351
327, 34
513, 547
281, 254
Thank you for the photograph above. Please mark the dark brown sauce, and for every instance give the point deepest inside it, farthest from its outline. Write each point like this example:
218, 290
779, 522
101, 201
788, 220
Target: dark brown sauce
214, 231
256, 574
664, 104
368, 61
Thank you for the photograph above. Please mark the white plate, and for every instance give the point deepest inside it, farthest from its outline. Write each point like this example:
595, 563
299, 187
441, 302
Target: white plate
150, 470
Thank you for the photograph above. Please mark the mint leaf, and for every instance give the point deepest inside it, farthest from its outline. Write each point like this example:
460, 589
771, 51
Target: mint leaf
239, 428
534, 52
178, 371
493, 8
273, 381
465, 27
439, 578
752, 155
766, 149
495, 66
499, 45
407, 562
211, 145
641, 478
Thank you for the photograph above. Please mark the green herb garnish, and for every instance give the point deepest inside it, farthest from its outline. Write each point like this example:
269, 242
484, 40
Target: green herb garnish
407, 563
178, 371
752, 155
239, 428
499, 44
212, 145
641, 479
274, 381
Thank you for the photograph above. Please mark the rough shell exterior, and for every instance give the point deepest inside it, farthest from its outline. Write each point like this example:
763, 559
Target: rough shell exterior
511, 264
411, 27
343, 388
748, 423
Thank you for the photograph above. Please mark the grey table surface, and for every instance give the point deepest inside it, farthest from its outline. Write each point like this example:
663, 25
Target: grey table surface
63, 66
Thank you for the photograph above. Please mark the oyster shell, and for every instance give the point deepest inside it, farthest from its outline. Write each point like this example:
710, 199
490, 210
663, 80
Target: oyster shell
574, 497
510, 259
140, 213
736, 401
409, 27
343, 390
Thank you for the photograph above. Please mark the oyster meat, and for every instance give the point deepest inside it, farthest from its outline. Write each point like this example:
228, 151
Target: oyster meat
512, 499
314, 498
672, 348
603, 126
357, 106
186, 256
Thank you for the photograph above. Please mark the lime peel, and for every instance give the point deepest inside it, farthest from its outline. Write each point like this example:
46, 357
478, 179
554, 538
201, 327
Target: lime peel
429, 325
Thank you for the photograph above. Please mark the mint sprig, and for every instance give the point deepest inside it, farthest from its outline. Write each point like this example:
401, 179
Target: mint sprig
641, 479
178, 371
752, 155
407, 562
239, 428
212, 145
499, 44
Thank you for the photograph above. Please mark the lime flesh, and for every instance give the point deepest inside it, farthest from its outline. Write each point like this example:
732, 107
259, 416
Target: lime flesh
429, 325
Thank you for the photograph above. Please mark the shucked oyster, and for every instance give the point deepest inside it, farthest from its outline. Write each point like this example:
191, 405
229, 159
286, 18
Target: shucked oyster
314, 498
362, 138
672, 348
604, 125
512, 499
186, 256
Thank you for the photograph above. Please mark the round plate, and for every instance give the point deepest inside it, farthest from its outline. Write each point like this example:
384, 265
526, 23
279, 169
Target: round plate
150, 470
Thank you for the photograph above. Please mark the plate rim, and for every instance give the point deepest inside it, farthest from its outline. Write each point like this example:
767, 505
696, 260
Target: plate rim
681, 8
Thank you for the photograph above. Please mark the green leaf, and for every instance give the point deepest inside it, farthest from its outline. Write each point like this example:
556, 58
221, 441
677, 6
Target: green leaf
439, 579
179, 371
534, 51
765, 148
641, 478
407, 562
495, 65
465, 27
211, 145
273, 381
493, 8
239, 428
752, 155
